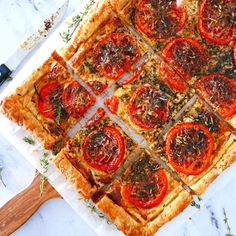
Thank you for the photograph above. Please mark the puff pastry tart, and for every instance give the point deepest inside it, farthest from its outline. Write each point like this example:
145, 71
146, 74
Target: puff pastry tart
48, 102
90, 159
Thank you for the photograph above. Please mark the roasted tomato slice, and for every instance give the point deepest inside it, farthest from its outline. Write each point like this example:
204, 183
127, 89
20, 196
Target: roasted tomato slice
148, 108
220, 92
159, 19
148, 193
115, 54
189, 147
97, 86
186, 55
76, 99
135, 75
234, 53
98, 116
217, 21
112, 104
104, 148
172, 79
50, 99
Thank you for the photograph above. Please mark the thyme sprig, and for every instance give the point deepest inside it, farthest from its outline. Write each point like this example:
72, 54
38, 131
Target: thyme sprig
100, 214
196, 204
29, 140
76, 20
1, 179
227, 224
44, 162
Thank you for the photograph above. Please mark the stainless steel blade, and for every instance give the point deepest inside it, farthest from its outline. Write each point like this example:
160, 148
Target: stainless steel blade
33, 40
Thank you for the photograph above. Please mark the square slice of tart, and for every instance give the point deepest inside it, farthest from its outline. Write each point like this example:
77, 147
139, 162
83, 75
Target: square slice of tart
102, 48
198, 147
90, 159
195, 37
150, 98
48, 103
144, 198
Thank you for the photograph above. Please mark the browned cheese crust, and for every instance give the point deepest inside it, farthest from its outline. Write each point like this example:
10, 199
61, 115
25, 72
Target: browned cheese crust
20, 106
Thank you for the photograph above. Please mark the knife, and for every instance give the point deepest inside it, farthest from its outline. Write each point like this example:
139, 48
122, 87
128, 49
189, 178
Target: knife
31, 42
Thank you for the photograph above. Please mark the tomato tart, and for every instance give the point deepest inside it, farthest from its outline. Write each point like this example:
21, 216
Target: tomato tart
103, 49
144, 198
198, 147
90, 158
48, 103
149, 98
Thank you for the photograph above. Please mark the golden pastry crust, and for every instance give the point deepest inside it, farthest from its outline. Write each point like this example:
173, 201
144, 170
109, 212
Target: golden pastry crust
149, 73
21, 106
101, 22
137, 221
222, 157
70, 161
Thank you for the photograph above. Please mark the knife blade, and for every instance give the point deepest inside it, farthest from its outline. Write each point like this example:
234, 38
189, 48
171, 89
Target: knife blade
31, 42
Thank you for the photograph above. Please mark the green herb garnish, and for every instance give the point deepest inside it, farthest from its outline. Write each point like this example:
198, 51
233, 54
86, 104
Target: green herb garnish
66, 35
44, 164
9, 78
227, 224
1, 179
29, 140
95, 210
194, 204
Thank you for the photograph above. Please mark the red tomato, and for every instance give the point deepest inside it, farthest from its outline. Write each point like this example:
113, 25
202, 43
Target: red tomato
189, 147
136, 73
97, 86
115, 54
172, 79
148, 107
112, 104
99, 115
138, 195
50, 99
160, 19
234, 53
76, 99
185, 55
216, 21
104, 148
220, 92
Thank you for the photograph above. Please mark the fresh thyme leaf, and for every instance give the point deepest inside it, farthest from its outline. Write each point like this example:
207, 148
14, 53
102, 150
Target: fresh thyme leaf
1, 179
29, 140
66, 35
199, 198
59, 114
227, 224
95, 210
44, 162
194, 204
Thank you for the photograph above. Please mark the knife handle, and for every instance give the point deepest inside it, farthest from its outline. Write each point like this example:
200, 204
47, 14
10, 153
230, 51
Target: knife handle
4, 73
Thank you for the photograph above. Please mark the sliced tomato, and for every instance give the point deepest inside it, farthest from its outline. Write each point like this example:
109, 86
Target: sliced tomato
115, 54
149, 193
185, 55
160, 19
99, 115
112, 104
217, 22
76, 99
189, 147
136, 73
220, 92
50, 99
104, 148
97, 86
148, 108
172, 79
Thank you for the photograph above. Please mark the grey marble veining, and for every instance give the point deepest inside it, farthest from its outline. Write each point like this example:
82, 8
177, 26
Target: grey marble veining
18, 19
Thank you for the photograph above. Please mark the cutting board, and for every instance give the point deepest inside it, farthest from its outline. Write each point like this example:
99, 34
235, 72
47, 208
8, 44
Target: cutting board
20, 208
